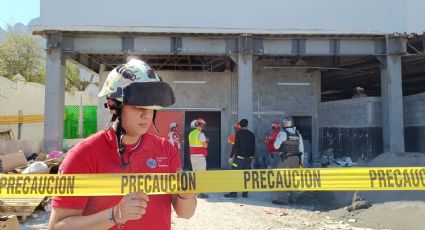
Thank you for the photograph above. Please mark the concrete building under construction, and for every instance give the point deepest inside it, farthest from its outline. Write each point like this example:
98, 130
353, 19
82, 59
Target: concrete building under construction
257, 60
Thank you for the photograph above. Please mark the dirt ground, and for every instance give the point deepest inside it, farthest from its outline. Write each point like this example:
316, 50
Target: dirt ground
257, 212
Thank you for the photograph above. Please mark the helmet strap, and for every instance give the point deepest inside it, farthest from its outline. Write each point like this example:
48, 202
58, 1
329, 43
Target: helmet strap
120, 132
153, 121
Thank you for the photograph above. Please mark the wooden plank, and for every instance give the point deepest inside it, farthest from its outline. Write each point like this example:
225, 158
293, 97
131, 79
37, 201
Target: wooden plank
9, 223
20, 206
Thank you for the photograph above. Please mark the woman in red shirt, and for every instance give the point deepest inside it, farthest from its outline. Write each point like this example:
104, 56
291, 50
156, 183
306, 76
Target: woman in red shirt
134, 93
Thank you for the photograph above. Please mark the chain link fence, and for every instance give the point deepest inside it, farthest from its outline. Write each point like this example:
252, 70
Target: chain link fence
80, 121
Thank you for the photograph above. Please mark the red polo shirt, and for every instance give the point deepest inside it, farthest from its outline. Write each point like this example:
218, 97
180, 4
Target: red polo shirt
98, 154
270, 141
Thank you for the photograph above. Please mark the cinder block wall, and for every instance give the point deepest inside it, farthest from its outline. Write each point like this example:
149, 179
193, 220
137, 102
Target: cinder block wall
215, 95
414, 122
351, 127
284, 91
270, 100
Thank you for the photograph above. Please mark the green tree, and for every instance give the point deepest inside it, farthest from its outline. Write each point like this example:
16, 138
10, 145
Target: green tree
20, 53
72, 80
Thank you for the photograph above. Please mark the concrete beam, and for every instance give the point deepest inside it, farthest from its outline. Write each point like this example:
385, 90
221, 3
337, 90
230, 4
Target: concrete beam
221, 45
392, 98
323, 47
54, 101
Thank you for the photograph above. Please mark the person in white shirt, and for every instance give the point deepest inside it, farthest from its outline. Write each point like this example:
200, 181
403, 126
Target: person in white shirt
173, 136
289, 144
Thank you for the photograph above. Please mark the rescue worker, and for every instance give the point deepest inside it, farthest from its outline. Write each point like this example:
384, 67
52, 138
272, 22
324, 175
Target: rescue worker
198, 144
231, 140
359, 92
173, 136
269, 141
289, 144
244, 152
134, 92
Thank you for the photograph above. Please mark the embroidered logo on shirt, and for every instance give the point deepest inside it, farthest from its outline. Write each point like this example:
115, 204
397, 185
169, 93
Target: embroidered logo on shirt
162, 162
151, 163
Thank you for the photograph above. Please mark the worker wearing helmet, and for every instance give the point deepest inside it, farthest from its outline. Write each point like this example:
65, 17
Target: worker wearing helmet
134, 93
198, 144
269, 141
173, 136
289, 144
244, 152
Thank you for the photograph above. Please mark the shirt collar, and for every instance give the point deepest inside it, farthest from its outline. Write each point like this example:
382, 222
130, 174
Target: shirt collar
146, 143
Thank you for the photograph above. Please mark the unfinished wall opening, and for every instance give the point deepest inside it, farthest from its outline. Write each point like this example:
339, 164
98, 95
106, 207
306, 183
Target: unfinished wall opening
304, 126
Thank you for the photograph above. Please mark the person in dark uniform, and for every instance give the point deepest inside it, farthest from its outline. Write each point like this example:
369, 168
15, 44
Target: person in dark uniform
244, 152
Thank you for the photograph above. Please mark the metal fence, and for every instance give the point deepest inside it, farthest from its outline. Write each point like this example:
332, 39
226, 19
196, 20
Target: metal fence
80, 121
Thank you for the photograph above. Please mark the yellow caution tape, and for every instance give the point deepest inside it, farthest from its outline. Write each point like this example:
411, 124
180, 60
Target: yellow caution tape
311, 179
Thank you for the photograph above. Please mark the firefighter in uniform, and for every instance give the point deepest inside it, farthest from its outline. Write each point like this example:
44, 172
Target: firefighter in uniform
289, 144
244, 152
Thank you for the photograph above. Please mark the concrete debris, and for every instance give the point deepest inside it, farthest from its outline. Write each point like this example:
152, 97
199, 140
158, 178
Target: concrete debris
358, 203
363, 204
345, 162
278, 212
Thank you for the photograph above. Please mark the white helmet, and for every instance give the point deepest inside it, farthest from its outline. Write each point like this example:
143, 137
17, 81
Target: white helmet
135, 83
193, 124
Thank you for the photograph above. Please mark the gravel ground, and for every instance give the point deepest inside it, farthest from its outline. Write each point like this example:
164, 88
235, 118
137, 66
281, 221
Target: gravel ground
257, 212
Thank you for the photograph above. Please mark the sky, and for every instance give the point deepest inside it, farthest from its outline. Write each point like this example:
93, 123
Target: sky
13, 11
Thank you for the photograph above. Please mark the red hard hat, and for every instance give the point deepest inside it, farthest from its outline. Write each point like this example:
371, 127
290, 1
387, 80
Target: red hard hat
200, 122
276, 124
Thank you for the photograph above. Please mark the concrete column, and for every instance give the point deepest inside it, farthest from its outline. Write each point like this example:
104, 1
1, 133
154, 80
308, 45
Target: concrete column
315, 127
103, 115
54, 101
392, 97
245, 99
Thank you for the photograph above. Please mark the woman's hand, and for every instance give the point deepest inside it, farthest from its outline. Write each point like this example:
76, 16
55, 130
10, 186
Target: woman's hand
131, 207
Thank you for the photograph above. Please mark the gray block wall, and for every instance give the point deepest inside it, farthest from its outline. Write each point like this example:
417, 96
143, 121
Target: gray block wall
350, 113
353, 127
414, 122
270, 99
283, 91
213, 95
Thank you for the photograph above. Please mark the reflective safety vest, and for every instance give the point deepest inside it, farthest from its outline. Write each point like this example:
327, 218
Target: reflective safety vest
195, 144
